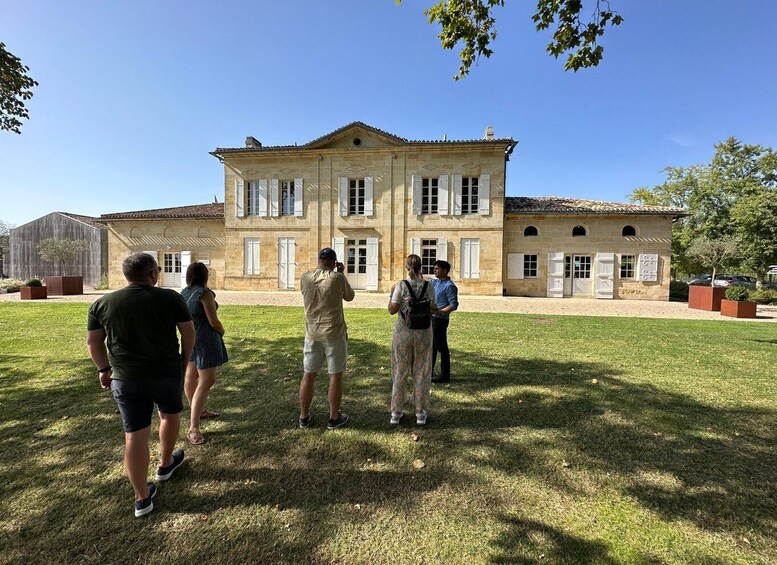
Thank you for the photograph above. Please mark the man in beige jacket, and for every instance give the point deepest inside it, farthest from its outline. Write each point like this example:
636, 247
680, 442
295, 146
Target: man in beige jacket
326, 336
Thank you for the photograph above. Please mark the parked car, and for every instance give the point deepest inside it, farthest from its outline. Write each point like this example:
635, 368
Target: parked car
703, 280
733, 280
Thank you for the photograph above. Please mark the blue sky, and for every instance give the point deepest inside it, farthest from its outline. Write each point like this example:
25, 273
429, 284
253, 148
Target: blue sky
133, 94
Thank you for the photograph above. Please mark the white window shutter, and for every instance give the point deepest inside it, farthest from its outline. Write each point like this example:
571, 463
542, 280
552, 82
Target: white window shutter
442, 195
239, 198
415, 246
274, 198
457, 195
515, 265
186, 260
648, 267
342, 185
484, 194
556, 275
474, 265
605, 271
465, 259
251, 256
372, 263
338, 244
298, 196
262, 184
417, 197
292, 265
442, 249
282, 261
368, 196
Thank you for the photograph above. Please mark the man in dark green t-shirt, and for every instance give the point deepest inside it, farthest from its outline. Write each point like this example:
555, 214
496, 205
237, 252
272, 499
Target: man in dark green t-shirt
132, 339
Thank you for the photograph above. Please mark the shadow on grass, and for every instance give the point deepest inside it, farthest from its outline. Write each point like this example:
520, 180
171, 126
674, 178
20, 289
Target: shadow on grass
709, 465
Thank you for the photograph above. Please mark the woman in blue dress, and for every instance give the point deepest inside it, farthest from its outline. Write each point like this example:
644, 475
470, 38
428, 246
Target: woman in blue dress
209, 351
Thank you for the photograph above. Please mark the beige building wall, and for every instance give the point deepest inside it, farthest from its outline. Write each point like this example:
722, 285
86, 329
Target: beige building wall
204, 238
392, 222
604, 235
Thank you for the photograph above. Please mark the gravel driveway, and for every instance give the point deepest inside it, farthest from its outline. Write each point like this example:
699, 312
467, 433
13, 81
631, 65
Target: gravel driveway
513, 304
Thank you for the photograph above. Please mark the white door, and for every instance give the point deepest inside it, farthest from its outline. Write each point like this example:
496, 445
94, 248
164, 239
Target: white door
356, 263
567, 275
286, 263
581, 275
605, 273
171, 270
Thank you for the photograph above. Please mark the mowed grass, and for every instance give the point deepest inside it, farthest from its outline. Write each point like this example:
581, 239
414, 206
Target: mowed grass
561, 439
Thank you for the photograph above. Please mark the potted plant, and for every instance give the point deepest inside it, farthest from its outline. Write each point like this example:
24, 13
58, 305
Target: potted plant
715, 253
62, 251
736, 303
33, 289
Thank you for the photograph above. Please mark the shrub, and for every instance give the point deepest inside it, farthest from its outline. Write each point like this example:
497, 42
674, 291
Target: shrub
11, 284
33, 282
678, 290
103, 283
764, 296
737, 293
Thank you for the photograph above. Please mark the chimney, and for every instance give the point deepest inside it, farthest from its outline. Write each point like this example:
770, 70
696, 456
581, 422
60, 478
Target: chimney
253, 142
489, 133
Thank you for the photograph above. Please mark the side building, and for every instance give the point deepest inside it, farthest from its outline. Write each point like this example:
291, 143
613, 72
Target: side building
174, 236
91, 264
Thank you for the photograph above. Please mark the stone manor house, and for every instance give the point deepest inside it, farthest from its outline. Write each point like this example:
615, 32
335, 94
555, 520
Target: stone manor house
375, 197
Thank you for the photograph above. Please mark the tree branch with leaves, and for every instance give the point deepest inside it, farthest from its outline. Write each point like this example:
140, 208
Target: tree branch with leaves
15, 89
472, 24
62, 251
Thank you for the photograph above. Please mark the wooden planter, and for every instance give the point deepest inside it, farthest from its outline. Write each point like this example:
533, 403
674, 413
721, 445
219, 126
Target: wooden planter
33, 292
60, 286
738, 308
705, 297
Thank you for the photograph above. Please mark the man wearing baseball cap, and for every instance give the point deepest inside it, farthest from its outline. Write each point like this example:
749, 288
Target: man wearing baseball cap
326, 338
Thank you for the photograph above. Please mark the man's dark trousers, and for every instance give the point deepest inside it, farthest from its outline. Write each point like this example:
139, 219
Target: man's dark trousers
440, 344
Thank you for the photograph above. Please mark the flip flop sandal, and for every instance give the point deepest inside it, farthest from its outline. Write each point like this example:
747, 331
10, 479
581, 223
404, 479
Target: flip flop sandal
196, 438
208, 414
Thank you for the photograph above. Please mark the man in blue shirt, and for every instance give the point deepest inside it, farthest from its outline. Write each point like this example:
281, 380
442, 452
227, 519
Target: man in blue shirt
447, 299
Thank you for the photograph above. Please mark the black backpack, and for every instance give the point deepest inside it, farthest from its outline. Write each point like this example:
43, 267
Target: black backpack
418, 315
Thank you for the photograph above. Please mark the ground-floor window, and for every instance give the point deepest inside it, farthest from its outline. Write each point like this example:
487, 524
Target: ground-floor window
529, 266
251, 256
428, 255
628, 269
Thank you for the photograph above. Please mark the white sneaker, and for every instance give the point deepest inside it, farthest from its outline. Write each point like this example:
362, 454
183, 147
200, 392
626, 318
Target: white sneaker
395, 418
420, 418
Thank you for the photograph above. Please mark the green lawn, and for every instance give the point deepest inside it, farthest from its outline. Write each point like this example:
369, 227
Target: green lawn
669, 457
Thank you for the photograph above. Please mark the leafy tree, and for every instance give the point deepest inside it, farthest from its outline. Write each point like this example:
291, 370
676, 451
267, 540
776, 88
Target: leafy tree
5, 243
735, 195
714, 253
472, 23
60, 250
15, 89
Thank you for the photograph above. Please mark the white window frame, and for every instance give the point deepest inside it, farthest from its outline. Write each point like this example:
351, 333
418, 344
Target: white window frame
253, 198
430, 246
470, 201
430, 192
633, 266
527, 265
288, 191
251, 256
357, 189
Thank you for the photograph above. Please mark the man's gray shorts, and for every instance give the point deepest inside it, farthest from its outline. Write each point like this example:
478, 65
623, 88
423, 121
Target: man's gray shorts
334, 352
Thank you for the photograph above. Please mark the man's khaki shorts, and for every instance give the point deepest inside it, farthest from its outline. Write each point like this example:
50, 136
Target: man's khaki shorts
335, 352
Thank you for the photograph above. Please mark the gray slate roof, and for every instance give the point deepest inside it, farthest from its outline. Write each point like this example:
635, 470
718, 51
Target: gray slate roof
88, 220
206, 211
558, 205
390, 136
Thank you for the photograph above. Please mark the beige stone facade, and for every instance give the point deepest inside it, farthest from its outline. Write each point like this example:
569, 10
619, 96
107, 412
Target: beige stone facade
195, 235
375, 198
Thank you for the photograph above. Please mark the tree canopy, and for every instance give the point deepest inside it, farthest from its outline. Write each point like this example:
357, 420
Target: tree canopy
472, 24
734, 196
60, 250
15, 88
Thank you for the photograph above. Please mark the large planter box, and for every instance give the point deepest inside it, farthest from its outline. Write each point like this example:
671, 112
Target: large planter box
60, 286
33, 292
738, 308
705, 297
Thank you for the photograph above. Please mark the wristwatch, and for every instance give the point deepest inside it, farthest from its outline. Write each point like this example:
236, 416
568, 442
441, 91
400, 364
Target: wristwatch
105, 369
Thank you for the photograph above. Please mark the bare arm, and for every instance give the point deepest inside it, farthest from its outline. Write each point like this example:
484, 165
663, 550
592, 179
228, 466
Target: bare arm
209, 305
393, 307
95, 343
186, 329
